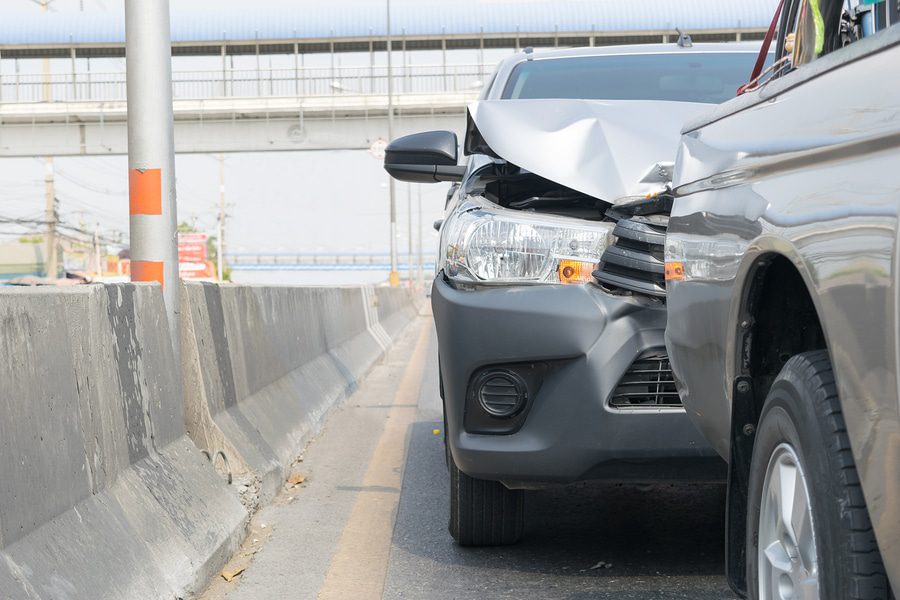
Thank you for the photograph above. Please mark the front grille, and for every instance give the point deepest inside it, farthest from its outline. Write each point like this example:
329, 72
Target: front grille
649, 383
635, 262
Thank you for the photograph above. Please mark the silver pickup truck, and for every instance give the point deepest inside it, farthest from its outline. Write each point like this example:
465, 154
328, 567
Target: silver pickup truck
783, 287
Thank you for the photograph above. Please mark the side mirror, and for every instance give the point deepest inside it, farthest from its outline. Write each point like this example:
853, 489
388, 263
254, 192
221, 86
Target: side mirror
428, 157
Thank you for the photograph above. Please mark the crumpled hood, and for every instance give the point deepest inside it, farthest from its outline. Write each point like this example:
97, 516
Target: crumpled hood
608, 149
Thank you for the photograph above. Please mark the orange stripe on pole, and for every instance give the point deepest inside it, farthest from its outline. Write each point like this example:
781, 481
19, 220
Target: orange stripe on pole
145, 191
145, 270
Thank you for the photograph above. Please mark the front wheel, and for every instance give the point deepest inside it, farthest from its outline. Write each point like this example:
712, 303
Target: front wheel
809, 533
484, 513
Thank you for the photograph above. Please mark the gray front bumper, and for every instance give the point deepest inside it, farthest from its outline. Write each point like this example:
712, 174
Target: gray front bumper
570, 433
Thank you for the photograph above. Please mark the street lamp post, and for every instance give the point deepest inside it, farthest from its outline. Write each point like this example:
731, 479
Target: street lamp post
409, 219
220, 242
421, 264
394, 276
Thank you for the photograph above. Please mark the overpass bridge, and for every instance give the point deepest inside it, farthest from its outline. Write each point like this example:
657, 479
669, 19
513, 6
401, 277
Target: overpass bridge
344, 108
310, 101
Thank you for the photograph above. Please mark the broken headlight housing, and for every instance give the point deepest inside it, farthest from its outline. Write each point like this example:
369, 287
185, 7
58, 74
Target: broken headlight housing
486, 244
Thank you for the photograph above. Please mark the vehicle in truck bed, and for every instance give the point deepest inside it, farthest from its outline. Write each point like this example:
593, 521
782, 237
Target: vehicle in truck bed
784, 304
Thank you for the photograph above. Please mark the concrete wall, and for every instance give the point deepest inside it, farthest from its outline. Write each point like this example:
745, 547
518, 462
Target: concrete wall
102, 492
264, 365
102, 495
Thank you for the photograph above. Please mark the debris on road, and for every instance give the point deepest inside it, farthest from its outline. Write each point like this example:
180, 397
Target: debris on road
602, 565
231, 575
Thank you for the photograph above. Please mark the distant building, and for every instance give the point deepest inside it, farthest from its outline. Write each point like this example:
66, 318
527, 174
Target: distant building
18, 259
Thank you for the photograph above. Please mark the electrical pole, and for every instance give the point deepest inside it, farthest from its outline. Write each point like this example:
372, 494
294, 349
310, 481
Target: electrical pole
421, 263
98, 264
151, 152
220, 243
409, 250
50, 211
394, 276
49, 179
45, 6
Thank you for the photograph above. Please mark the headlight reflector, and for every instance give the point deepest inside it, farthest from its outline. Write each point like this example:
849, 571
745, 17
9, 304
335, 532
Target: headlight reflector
485, 243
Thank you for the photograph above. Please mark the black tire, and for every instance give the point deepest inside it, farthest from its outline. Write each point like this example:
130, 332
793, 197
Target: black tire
484, 513
802, 411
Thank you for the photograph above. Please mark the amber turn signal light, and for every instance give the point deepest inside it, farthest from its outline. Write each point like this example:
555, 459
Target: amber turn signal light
575, 271
674, 271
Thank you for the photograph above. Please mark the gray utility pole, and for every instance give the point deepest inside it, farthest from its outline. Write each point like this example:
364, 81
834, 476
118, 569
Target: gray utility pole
421, 263
394, 277
98, 260
49, 180
409, 253
220, 242
50, 211
151, 152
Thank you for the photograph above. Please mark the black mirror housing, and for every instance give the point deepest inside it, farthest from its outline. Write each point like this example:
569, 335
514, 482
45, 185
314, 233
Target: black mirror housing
427, 157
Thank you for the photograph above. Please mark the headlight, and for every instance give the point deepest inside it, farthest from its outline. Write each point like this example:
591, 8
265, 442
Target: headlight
697, 259
484, 243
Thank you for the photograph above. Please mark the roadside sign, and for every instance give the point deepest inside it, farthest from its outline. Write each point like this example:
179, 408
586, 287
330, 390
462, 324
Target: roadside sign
192, 248
378, 147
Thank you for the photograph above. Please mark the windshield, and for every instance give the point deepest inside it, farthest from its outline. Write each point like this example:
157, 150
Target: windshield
711, 77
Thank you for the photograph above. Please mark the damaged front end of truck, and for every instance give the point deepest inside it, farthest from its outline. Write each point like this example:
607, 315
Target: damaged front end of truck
549, 296
549, 299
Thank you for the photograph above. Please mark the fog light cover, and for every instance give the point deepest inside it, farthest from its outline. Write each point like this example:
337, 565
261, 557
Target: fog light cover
501, 393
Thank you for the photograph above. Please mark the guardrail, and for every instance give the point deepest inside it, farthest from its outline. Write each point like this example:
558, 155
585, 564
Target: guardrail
251, 83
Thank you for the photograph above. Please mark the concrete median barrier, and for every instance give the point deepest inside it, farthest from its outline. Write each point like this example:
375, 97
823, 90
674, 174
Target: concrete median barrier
394, 309
115, 456
263, 365
102, 493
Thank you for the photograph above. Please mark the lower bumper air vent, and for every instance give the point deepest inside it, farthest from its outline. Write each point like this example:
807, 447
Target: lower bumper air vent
649, 383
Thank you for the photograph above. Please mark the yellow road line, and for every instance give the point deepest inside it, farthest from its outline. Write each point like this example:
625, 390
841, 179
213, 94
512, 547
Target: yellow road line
359, 565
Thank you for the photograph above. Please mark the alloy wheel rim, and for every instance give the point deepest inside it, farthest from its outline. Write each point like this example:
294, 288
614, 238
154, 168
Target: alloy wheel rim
787, 558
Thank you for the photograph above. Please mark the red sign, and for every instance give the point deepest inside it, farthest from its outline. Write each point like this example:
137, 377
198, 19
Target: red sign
192, 248
204, 271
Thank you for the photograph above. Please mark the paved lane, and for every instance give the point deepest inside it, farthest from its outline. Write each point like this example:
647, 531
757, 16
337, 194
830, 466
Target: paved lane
663, 542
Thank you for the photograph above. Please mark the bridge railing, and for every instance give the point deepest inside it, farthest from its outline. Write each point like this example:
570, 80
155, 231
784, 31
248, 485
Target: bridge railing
323, 262
243, 83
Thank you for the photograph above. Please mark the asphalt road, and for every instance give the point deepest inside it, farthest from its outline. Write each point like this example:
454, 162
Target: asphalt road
372, 518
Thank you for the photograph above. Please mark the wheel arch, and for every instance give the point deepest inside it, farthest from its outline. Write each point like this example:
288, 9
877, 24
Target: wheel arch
774, 316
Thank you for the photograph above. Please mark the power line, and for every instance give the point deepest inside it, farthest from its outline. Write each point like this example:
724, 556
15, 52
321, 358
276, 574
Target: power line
90, 187
37, 225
